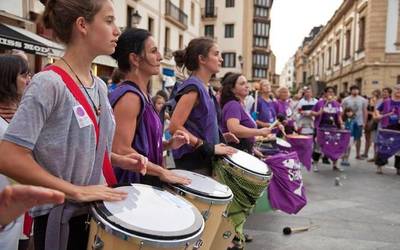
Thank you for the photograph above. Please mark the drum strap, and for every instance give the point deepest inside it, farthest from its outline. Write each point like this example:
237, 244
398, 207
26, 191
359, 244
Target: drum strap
77, 93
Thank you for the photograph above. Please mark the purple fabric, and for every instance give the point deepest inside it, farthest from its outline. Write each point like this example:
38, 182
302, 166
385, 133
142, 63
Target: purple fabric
333, 142
148, 133
286, 190
233, 109
387, 106
332, 111
266, 110
303, 146
388, 143
203, 119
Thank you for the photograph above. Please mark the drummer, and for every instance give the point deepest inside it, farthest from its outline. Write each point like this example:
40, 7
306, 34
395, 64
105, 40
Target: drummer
283, 109
197, 110
266, 113
389, 118
327, 113
59, 149
235, 119
138, 125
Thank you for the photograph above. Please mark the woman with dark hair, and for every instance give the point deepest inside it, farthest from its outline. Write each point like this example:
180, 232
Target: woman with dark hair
64, 147
197, 110
327, 113
235, 119
138, 125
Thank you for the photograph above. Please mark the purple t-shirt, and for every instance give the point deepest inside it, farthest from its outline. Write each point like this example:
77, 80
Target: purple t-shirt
330, 116
395, 107
233, 109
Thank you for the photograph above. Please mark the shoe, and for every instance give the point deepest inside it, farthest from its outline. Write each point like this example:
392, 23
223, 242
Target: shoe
315, 167
398, 171
345, 163
236, 244
360, 157
325, 160
248, 238
336, 168
371, 160
379, 170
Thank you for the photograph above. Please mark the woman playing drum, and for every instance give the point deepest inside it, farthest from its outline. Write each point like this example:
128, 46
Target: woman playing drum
64, 147
327, 114
196, 111
138, 126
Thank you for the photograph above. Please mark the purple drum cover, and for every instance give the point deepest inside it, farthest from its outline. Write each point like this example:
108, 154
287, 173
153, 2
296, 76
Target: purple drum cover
388, 143
303, 145
286, 191
333, 142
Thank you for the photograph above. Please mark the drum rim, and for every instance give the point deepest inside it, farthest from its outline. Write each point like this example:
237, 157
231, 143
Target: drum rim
253, 173
122, 234
104, 213
203, 195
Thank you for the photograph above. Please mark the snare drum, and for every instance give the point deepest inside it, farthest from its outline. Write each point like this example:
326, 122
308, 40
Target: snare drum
210, 197
149, 218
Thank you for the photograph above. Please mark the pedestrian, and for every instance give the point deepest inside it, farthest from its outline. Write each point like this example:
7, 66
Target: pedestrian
359, 105
372, 125
305, 121
283, 109
350, 123
266, 114
138, 124
117, 77
63, 147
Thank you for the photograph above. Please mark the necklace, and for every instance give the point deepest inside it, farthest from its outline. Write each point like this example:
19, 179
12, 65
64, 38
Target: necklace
96, 109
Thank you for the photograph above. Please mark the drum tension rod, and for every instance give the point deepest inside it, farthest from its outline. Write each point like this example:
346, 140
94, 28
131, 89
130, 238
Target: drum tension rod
206, 214
98, 244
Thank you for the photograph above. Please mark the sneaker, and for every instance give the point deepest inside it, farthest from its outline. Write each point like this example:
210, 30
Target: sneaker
360, 157
364, 156
371, 160
345, 163
248, 238
379, 170
315, 167
325, 160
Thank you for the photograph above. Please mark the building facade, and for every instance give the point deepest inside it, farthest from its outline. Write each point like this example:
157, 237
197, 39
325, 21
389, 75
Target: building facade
241, 28
287, 77
359, 45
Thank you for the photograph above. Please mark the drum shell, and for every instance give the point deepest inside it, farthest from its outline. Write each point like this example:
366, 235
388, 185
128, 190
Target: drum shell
212, 210
224, 235
115, 238
247, 174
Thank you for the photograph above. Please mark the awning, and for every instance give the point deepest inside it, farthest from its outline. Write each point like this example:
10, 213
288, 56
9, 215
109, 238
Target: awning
12, 37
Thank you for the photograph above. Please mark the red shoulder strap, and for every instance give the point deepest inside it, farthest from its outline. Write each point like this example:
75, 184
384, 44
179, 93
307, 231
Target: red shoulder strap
77, 93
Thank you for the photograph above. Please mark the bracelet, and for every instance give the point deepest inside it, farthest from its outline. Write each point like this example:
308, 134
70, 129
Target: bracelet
198, 143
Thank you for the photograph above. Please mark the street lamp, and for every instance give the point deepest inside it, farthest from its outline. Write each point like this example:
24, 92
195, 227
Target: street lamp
135, 19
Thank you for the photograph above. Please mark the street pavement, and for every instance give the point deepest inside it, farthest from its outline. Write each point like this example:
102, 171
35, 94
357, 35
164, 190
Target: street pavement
362, 213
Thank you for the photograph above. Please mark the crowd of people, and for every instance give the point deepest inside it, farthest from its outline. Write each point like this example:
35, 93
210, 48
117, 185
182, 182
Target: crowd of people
63, 130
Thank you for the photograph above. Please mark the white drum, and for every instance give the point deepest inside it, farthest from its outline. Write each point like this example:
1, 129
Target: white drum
149, 218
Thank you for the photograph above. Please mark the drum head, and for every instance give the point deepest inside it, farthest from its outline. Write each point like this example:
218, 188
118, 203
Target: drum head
248, 162
283, 143
153, 213
203, 185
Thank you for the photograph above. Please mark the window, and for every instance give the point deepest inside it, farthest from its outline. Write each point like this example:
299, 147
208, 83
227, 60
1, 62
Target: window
192, 13
329, 57
337, 47
358, 83
209, 31
129, 16
260, 65
150, 26
229, 3
345, 86
348, 44
261, 34
180, 41
398, 79
323, 63
166, 41
229, 60
261, 8
229, 30
262, 3
361, 34
259, 73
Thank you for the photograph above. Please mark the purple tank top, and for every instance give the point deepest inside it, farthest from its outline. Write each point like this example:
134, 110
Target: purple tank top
148, 134
203, 119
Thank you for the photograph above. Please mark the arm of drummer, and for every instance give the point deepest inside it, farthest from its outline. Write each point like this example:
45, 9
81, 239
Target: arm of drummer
263, 124
126, 112
241, 131
17, 162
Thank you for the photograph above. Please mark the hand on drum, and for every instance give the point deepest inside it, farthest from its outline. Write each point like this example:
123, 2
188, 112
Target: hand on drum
16, 199
264, 132
170, 177
96, 193
230, 138
222, 149
133, 162
179, 139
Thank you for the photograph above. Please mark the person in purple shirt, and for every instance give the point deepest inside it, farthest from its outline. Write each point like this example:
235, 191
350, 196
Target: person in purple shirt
197, 111
138, 125
235, 119
266, 113
389, 118
327, 113
283, 109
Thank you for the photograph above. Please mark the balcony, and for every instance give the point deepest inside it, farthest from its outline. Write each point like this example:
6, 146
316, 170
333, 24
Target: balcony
209, 12
168, 53
175, 15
